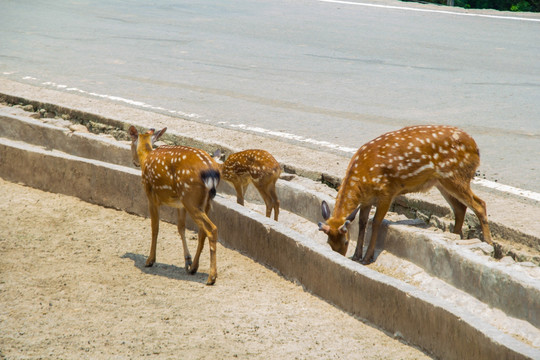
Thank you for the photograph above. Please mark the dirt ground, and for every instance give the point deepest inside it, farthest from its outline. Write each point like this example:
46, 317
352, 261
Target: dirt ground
73, 285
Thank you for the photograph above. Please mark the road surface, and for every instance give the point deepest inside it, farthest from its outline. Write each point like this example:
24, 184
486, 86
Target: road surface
326, 74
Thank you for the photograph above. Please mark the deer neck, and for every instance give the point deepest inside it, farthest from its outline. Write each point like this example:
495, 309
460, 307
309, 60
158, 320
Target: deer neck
348, 198
142, 152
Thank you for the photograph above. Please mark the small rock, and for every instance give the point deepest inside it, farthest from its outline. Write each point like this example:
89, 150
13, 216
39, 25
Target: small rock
35, 115
483, 247
78, 127
65, 117
49, 115
424, 217
438, 222
28, 107
287, 177
507, 260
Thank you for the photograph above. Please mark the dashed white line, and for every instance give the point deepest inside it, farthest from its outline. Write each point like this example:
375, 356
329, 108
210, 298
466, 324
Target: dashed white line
507, 189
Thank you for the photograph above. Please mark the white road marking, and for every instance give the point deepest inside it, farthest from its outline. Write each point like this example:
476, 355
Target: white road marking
430, 10
507, 189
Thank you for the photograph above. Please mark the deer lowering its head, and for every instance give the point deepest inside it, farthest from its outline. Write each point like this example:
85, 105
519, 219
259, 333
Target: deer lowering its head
181, 177
253, 166
412, 159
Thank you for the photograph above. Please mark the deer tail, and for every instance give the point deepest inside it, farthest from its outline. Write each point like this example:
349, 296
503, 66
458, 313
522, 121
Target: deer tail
211, 181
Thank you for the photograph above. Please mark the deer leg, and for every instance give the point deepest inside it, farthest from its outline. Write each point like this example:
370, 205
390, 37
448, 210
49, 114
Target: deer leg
266, 197
382, 209
201, 236
181, 223
275, 200
362, 224
239, 193
464, 194
154, 218
459, 210
206, 229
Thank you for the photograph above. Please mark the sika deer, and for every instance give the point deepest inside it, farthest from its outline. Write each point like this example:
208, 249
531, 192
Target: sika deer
181, 177
412, 159
253, 166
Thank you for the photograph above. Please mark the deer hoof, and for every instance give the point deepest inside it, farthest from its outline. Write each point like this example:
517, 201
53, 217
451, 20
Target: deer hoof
192, 269
211, 280
366, 261
149, 262
188, 262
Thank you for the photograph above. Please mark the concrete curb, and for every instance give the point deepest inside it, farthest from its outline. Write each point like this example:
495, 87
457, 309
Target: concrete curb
328, 168
401, 309
436, 253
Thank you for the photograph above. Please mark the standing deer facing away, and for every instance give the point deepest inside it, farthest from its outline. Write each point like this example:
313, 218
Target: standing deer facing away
181, 177
253, 166
412, 159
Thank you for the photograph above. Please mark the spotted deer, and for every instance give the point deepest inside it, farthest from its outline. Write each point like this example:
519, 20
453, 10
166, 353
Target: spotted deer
182, 177
253, 166
412, 159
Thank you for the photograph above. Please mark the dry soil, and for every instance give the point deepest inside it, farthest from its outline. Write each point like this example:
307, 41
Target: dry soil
73, 285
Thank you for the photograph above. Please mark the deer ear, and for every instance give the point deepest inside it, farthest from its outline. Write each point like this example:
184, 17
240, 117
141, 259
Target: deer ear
217, 155
353, 214
325, 209
157, 135
133, 132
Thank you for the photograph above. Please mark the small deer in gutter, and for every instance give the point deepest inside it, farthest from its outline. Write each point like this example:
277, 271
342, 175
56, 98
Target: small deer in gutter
257, 167
412, 159
182, 177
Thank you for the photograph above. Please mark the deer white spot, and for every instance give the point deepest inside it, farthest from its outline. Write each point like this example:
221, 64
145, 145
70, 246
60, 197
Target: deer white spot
455, 136
436, 156
446, 174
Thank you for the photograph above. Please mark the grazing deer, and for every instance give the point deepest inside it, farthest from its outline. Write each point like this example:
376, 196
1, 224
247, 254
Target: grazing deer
181, 177
412, 159
253, 166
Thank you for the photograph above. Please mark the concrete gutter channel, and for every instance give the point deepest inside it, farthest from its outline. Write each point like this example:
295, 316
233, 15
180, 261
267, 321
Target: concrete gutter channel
97, 169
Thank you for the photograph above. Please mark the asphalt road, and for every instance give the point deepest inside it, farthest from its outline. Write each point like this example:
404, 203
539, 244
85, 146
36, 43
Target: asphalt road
324, 74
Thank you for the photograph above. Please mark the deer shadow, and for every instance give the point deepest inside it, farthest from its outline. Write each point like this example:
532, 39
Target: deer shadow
383, 231
165, 270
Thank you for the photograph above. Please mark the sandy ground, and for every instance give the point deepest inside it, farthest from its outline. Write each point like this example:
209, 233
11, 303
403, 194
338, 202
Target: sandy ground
73, 285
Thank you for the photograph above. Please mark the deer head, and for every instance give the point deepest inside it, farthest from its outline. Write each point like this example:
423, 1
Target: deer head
142, 144
336, 229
